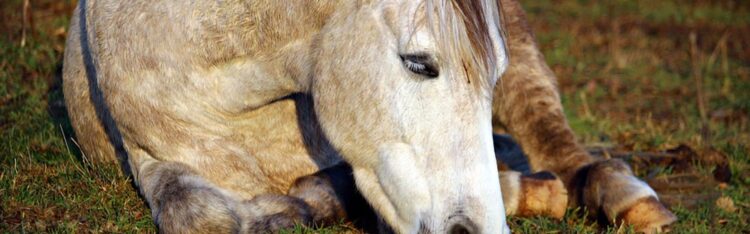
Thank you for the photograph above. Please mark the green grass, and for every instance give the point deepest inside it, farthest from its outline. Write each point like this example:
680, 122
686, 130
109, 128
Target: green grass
626, 75
44, 185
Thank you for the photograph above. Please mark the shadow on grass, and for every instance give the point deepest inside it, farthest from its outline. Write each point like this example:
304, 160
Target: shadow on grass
59, 113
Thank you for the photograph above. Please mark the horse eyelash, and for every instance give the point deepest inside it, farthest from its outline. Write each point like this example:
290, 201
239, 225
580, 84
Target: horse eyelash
418, 64
415, 66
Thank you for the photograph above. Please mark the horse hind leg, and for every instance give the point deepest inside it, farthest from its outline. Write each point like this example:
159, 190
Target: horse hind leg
528, 106
183, 202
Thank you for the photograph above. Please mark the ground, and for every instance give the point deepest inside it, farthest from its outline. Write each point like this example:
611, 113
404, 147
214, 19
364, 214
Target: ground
664, 84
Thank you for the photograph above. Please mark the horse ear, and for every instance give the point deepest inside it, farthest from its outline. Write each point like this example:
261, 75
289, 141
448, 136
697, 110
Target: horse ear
496, 20
501, 25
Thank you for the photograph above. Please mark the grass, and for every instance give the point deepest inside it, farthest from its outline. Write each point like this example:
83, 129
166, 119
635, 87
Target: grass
629, 74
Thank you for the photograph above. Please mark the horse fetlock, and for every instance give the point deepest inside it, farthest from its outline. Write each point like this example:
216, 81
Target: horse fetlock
541, 193
611, 188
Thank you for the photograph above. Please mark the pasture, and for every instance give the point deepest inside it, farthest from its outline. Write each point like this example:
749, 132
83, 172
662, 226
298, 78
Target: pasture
662, 84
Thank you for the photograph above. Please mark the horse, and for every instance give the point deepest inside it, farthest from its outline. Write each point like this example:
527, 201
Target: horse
256, 115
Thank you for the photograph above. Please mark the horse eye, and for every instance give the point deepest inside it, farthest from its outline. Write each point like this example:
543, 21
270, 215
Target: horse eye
421, 64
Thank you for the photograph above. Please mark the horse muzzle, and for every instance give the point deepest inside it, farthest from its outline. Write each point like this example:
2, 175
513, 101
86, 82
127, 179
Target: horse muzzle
416, 195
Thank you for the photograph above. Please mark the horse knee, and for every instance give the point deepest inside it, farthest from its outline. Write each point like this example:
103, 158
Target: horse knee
183, 202
200, 210
186, 209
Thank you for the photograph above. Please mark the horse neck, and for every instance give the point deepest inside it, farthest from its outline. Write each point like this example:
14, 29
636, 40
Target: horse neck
279, 22
284, 32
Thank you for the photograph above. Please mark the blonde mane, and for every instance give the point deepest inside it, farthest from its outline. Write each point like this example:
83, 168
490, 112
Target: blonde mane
469, 22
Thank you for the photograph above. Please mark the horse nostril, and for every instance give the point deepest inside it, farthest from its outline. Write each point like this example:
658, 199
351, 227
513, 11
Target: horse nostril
461, 225
459, 229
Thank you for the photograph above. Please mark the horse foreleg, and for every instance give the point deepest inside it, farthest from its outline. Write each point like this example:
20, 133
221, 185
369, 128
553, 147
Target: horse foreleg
182, 201
528, 106
333, 197
543, 194
328, 192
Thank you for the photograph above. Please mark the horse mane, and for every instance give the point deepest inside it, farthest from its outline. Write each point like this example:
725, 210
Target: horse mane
469, 22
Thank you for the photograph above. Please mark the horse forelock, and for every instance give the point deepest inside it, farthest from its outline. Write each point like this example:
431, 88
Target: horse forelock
464, 30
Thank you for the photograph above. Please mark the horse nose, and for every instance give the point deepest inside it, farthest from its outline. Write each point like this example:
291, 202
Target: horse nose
461, 225
459, 229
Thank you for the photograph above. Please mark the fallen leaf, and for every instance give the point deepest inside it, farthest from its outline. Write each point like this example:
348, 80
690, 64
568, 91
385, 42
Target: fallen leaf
59, 32
726, 203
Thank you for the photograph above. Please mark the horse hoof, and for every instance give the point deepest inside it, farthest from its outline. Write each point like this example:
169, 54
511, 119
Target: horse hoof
543, 194
648, 215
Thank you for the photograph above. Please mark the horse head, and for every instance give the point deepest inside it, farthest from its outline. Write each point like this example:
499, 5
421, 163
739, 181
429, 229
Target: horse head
403, 90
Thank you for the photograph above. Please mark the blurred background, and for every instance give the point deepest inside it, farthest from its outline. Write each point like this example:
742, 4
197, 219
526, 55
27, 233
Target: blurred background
663, 84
